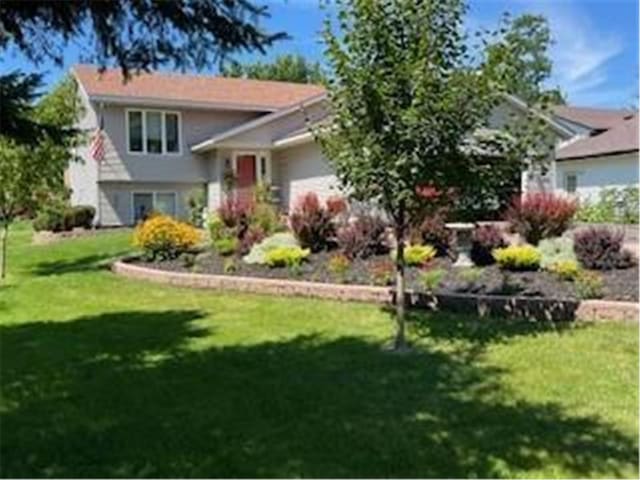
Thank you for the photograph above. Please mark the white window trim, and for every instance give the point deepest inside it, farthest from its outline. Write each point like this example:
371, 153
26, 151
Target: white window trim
257, 154
163, 132
154, 194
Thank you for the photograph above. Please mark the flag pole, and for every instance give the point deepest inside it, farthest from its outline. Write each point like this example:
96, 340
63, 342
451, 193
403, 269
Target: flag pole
99, 164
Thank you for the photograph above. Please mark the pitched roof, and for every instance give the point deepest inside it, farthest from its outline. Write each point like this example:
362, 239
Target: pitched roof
620, 138
595, 118
233, 93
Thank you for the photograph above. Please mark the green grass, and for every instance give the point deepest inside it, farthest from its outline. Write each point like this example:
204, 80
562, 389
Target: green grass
103, 377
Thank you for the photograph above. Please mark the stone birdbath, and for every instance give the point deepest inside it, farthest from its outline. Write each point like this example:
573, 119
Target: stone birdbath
462, 234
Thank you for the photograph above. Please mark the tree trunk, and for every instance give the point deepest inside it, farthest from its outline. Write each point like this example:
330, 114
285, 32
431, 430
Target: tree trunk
5, 236
400, 342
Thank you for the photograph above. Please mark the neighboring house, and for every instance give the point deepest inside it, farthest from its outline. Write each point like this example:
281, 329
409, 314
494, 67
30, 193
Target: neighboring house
166, 135
602, 154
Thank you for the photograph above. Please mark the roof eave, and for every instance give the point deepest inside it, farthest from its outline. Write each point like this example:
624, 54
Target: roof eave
596, 155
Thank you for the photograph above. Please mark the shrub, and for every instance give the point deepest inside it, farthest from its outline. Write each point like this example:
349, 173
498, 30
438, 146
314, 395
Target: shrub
196, 205
336, 206
81, 216
565, 269
381, 272
599, 248
236, 212
216, 227
431, 279
265, 217
555, 250
229, 265
286, 256
339, 265
415, 255
517, 257
258, 251
363, 237
540, 215
311, 223
252, 235
50, 217
484, 240
433, 231
161, 237
226, 246
612, 206
589, 285
470, 274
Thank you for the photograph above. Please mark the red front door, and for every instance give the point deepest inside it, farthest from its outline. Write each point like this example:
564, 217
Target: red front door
246, 176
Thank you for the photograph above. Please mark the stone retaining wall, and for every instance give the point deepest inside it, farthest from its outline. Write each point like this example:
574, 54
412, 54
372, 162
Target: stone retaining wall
482, 305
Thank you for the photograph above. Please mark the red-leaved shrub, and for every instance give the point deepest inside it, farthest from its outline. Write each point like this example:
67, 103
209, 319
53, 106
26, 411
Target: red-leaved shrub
599, 248
540, 215
363, 237
484, 240
312, 223
336, 205
235, 212
433, 231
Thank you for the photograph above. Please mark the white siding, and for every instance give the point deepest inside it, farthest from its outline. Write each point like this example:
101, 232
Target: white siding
594, 174
303, 169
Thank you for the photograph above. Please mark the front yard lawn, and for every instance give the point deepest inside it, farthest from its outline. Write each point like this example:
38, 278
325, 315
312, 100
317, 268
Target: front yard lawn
103, 376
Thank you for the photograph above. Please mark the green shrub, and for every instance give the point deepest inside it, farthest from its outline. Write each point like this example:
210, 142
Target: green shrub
196, 205
415, 255
50, 218
229, 265
266, 218
589, 285
517, 257
216, 227
80, 216
554, 250
226, 246
431, 279
470, 274
612, 206
257, 254
565, 269
339, 265
290, 257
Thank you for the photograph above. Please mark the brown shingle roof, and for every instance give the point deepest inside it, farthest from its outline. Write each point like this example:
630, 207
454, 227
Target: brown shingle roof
621, 137
596, 118
232, 92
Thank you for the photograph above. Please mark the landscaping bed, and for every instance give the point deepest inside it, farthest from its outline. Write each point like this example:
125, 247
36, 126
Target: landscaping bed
620, 285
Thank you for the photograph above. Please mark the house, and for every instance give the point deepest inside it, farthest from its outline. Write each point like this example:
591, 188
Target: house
603, 152
166, 135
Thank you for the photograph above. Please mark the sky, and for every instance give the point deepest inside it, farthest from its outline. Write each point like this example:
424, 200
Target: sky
595, 49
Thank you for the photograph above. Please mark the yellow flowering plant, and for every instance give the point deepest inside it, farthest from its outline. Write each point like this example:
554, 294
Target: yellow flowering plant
162, 237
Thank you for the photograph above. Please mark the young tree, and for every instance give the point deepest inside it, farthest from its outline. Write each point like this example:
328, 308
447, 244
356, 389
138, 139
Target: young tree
406, 98
286, 68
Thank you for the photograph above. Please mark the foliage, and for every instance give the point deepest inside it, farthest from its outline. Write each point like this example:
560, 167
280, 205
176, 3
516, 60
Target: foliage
258, 252
290, 257
285, 68
600, 248
565, 269
82, 216
196, 206
229, 265
484, 240
554, 250
363, 237
235, 212
57, 216
613, 206
265, 217
188, 259
312, 223
226, 246
417, 255
162, 237
337, 206
433, 231
339, 265
432, 278
381, 272
540, 215
517, 257
469, 274
216, 226
589, 285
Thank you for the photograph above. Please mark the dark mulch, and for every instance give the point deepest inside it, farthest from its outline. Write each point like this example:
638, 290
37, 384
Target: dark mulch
618, 284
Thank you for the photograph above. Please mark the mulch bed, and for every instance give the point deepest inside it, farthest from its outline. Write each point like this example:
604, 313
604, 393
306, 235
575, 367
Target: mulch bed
618, 284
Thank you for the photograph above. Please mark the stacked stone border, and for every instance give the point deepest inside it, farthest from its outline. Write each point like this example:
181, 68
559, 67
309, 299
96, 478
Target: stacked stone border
530, 308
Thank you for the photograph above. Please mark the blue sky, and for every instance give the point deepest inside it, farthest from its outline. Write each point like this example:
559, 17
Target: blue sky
595, 51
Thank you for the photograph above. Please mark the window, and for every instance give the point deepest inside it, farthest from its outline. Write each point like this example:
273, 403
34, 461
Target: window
571, 182
142, 206
135, 132
166, 203
153, 131
146, 202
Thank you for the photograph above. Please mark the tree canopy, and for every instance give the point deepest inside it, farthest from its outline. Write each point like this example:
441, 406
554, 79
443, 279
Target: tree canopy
286, 68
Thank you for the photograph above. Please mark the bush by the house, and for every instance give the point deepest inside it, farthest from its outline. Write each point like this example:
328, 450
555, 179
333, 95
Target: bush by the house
565, 269
225, 246
195, 206
312, 223
257, 254
555, 250
56, 216
336, 206
589, 285
540, 215
162, 238
433, 231
363, 237
286, 256
518, 257
612, 206
338, 266
484, 240
417, 255
600, 248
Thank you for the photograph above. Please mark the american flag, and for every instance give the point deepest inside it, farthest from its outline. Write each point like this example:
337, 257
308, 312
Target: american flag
97, 146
